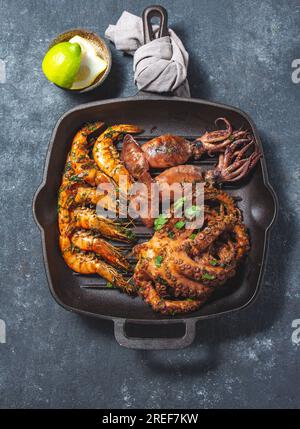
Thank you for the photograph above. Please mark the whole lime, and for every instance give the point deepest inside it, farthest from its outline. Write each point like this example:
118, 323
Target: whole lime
61, 63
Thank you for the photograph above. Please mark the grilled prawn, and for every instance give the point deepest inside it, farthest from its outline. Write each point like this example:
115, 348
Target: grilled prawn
106, 155
92, 195
88, 263
82, 164
86, 218
92, 242
66, 195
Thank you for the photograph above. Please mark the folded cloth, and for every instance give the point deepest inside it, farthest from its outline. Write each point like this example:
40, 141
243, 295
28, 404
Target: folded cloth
160, 65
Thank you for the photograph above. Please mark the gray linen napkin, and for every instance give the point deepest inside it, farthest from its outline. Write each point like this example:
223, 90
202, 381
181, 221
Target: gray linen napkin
159, 66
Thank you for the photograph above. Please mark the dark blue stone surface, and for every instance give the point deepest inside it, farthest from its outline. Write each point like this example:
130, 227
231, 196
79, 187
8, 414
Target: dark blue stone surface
241, 54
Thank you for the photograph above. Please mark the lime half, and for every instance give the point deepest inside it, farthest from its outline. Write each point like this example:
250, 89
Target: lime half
91, 66
61, 63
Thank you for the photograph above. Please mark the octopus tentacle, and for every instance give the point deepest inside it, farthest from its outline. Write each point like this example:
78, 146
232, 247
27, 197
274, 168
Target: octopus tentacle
202, 269
219, 135
242, 238
234, 164
206, 237
162, 305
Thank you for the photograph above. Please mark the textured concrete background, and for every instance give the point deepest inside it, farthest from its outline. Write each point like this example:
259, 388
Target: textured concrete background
241, 54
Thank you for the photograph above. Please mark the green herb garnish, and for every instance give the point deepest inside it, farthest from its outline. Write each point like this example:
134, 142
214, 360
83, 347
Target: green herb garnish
160, 221
192, 211
158, 260
162, 281
110, 285
179, 203
130, 234
207, 276
180, 224
82, 157
68, 166
76, 179
91, 127
213, 262
171, 234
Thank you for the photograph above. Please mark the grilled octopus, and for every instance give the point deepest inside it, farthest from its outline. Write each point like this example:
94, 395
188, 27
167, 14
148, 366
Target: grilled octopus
179, 269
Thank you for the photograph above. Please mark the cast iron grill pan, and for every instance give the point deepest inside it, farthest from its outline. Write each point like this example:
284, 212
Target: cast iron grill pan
156, 115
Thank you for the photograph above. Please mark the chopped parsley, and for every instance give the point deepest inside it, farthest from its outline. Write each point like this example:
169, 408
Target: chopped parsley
130, 234
76, 179
162, 281
68, 166
192, 211
110, 285
208, 276
92, 127
158, 260
179, 203
160, 221
180, 224
213, 262
171, 234
194, 234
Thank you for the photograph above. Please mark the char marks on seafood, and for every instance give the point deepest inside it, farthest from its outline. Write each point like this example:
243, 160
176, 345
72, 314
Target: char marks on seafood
82, 231
179, 268
191, 264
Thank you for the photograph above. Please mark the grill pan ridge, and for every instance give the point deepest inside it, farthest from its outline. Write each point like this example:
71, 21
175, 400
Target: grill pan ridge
157, 115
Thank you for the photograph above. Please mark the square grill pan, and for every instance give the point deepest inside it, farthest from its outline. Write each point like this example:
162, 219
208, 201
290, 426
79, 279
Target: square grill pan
156, 115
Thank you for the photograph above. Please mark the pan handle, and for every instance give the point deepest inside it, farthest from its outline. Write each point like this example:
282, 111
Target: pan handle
149, 13
155, 343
